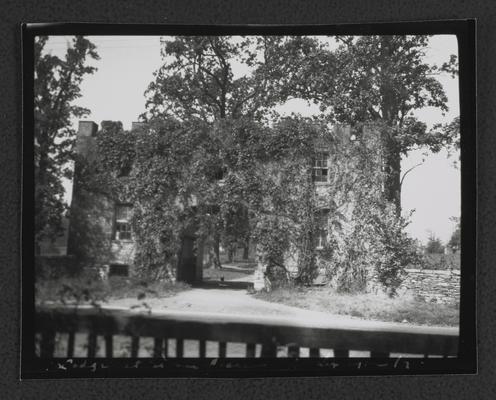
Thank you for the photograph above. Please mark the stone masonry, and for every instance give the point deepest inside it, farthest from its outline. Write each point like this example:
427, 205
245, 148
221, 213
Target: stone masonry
436, 286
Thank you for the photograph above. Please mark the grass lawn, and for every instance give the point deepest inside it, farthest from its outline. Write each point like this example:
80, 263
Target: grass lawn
366, 306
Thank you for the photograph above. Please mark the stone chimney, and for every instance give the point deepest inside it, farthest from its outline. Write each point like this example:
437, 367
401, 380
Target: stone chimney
85, 137
87, 128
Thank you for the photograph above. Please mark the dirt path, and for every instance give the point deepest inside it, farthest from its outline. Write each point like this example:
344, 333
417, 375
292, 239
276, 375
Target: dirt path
239, 302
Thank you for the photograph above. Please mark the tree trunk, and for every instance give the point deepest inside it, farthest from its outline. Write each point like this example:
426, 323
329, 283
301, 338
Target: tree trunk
231, 252
392, 186
207, 259
246, 251
389, 108
216, 246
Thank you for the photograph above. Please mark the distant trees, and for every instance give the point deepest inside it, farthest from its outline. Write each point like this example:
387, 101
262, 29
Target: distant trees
434, 245
56, 85
455, 240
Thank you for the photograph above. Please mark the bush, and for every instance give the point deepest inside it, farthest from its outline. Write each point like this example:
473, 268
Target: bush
375, 252
55, 267
88, 289
441, 261
81, 289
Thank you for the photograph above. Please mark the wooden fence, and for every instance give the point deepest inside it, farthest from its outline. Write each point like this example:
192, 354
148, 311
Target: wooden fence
266, 334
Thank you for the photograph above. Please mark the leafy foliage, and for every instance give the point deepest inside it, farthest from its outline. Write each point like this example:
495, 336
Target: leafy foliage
90, 214
450, 134
87, 289
375, 79
199, 78
56, 85
174, 189
376, 252
215, 159
370, 249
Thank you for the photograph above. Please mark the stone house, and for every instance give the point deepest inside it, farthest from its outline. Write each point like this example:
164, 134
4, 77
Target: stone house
111, 220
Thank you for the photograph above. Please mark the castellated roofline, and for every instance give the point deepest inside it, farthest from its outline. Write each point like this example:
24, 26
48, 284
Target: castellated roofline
90, 128
87, 130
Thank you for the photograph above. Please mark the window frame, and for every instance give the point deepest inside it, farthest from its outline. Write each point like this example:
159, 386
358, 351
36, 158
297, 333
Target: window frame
324, 160
126, 222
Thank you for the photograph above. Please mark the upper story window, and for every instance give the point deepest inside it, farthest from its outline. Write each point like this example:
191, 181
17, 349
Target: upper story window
320, 171
123, 213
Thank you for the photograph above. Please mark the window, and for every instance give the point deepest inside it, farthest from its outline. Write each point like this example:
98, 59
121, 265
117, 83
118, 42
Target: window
321, 222
321, 168
118, 270
123, 214
220, 173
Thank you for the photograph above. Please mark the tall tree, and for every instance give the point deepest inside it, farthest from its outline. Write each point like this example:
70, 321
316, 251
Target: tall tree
380, 80
56, 85
214, 79
209, 116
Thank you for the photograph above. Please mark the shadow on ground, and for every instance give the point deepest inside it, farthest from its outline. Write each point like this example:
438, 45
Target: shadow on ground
236, 275
217, 284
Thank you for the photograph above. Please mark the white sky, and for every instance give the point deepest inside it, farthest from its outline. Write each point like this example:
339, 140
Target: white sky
116, 92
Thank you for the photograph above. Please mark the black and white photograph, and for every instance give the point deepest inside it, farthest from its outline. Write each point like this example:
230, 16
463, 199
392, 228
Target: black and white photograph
246, 196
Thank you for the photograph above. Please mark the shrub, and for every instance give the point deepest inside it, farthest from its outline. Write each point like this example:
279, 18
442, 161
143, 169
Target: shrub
375, 251
86, 288
81, 289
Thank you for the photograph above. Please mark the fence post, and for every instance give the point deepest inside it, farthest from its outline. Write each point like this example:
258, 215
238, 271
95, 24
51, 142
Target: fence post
269, 348
47, 345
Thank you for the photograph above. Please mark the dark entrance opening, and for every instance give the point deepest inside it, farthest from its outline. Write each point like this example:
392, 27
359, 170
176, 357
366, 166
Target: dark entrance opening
189, 266
118, 270
233, 274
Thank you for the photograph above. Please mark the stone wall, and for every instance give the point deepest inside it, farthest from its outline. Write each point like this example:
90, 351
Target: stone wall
439, 286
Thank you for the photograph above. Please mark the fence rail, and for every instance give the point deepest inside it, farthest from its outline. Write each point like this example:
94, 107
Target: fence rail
269, 332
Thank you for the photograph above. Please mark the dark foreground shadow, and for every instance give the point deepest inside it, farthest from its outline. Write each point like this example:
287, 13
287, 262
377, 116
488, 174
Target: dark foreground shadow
236, 285
235, 268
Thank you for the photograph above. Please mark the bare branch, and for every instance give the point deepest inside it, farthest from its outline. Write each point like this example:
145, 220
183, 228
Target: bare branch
407, 171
